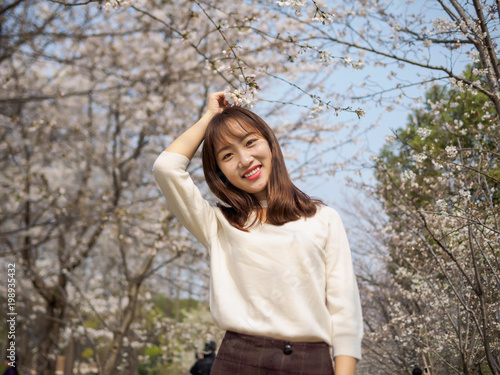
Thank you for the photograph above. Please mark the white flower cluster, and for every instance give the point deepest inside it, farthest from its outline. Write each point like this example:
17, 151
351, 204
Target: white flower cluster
347, 60
427, 43
443, 25
469, 26
356, 65
474, 56
117, 4
296, 5
419, 158
479, 72
325, 57
451, 151
441, 205
136, 345
436, 164
315, 111
457, 85
424, 132
464, 193
390, 139
322, 17
407, 175
241, 97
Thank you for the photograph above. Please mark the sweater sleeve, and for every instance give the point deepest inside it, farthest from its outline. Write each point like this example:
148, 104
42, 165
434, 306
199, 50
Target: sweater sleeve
342, 292
184, 199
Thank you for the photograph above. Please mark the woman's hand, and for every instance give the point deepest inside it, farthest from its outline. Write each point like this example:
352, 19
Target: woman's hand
189, 141
216, 103
345, 365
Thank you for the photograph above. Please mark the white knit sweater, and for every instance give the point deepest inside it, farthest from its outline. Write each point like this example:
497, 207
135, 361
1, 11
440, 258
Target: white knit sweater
291, 282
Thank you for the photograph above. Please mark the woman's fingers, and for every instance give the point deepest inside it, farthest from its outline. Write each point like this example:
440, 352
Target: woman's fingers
217, 102
222, 101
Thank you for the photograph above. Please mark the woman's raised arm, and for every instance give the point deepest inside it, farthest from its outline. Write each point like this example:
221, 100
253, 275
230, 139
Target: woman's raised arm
189, 141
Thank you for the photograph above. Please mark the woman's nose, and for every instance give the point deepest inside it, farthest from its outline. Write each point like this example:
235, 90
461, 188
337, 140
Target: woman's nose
246, 159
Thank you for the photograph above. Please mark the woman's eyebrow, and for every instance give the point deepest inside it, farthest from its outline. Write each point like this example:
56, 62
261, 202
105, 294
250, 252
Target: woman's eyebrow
241, 140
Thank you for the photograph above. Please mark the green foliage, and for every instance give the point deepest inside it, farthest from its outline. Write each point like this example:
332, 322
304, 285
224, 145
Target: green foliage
153, 351
151, 367
163, 369
92, 322
169, 306
87, 354
457, 118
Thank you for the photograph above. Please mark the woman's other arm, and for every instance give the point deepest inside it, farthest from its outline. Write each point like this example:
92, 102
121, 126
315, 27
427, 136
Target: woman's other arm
342, 297
345, 365
189, 141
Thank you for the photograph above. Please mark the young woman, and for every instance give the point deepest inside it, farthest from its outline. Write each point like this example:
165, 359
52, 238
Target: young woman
282, 283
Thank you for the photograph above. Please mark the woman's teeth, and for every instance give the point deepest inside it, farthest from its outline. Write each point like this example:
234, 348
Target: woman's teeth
252, 172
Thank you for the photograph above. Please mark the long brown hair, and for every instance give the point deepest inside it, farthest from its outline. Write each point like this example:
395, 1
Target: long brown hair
285, 202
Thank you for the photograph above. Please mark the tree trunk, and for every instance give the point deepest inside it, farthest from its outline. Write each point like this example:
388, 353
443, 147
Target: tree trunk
70, 357
46, 363
128, 317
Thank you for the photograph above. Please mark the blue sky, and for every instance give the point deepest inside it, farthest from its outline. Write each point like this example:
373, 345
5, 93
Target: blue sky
333, 189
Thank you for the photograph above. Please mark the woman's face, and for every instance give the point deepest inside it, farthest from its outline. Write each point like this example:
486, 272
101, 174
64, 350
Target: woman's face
246, 161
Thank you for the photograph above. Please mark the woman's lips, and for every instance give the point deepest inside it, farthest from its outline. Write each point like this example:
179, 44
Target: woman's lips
253, 173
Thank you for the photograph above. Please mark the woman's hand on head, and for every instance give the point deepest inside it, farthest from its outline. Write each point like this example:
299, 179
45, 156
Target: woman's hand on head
216, 103
189, 141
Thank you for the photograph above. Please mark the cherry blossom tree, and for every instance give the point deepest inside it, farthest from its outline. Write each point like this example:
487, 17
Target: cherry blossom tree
433, 299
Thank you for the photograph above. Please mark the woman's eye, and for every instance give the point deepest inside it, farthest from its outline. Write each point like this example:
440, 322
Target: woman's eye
251, 141
226, 156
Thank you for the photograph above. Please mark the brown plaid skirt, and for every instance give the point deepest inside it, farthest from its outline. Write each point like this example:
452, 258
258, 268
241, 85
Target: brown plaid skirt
241, 354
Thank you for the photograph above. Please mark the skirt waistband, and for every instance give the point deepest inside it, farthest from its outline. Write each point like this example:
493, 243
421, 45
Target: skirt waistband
272, 340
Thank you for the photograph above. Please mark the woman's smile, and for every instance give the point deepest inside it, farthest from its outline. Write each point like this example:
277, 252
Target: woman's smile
253, 173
